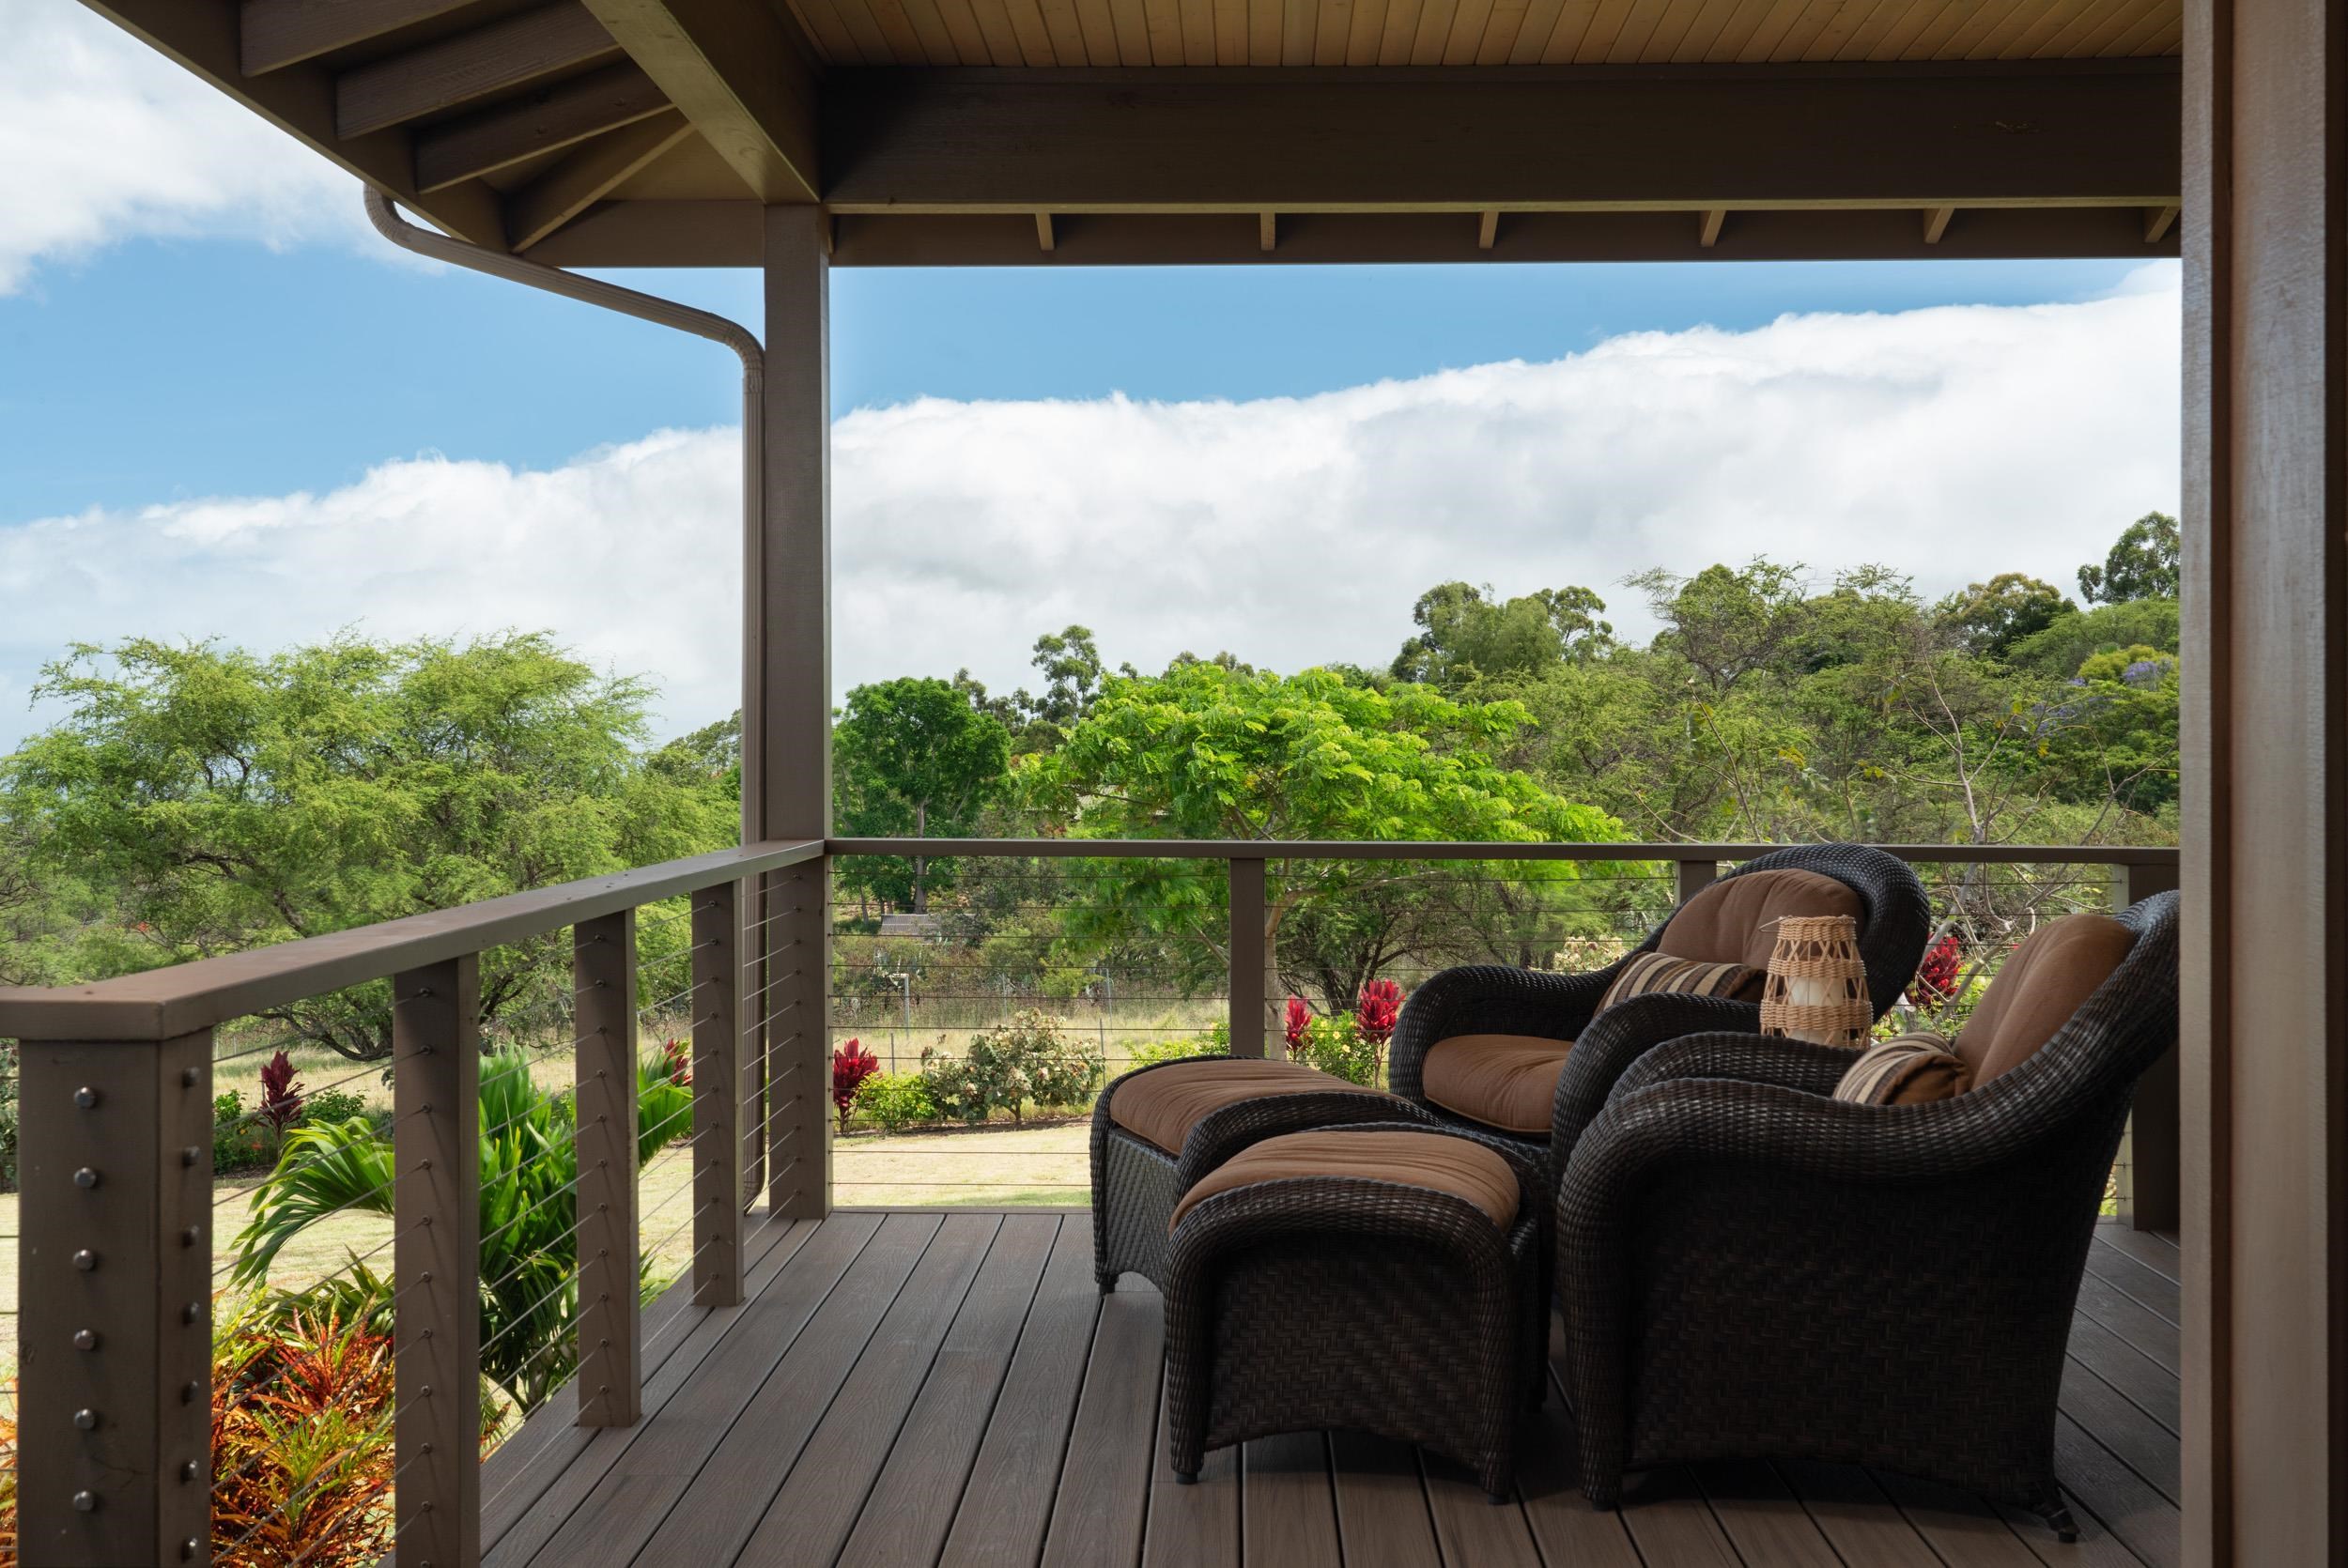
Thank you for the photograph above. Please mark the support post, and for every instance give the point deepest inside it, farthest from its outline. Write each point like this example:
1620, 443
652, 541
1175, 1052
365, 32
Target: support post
786, 707
436, 1257
2264, 789
603, 977
2155, 1155
114, 1412
1250, 993
717, 1078
1692, 877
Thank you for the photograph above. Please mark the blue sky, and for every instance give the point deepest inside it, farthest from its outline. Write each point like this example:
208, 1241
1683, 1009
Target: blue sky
161, 369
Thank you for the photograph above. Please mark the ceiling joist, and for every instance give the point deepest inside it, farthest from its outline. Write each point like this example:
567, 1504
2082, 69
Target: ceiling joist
426, 81
509, 133
2158, 220
740, 73
1937, 222
1487, 229
587, 175
274, 34
1709, 230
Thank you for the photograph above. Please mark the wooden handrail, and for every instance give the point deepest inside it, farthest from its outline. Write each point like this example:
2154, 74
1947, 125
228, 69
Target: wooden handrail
163, 1003
1452, 849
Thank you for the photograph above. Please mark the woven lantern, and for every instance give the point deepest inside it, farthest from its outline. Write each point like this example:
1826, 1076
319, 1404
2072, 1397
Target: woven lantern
1817, 986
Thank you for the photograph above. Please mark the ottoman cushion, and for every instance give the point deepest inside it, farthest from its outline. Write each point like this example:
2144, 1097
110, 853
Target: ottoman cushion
1465, 1169
1161, 1107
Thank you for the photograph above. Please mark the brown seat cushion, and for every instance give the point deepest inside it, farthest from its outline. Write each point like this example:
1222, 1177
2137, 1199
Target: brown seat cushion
1645, 973
1911, 1069
1732, 921
1504, 1080
1162, 1107
1455, 1165
2047, 979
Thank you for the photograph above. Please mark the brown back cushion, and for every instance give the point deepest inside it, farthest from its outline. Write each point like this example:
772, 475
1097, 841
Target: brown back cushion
2045, 980
1730, 922
1162, 1106
1458, 1166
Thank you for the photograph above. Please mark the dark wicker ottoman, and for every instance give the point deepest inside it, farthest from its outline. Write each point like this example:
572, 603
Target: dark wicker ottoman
1190, 1116
1373, 1303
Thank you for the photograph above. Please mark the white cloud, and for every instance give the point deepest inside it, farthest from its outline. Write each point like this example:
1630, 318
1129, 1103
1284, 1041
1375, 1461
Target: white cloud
1951, 443
103, 139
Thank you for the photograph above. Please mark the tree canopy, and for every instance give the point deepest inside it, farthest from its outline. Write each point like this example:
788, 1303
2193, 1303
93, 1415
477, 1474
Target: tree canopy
912, 757
2143, 563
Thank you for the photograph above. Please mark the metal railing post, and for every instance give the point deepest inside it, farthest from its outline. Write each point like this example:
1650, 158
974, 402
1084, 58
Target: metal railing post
603, 978
1692, 877
1249, 1035
798, 1044
113, 1433
2154, 1197
716, 1098
436, 1257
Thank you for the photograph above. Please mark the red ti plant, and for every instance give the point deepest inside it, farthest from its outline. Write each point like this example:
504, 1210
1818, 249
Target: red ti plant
1299, 1019
281, 1095
1937, 976
851, 1065
1379, 1010
677, 1063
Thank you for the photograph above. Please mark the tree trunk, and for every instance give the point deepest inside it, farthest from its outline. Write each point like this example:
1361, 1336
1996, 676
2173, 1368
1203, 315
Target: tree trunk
921, 865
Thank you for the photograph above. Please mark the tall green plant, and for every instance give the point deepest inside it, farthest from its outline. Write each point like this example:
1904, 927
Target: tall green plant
529, 1236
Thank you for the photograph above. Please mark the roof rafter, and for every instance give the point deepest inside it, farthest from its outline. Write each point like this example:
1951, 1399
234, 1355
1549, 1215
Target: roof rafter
509, 133
440, 75
741, 74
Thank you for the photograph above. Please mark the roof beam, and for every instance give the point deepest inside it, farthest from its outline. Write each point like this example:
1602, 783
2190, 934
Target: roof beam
1709, 231
1210, 141
1937, 222
1044, 239
203, 35
510, 133
1487, 229
740, 73
454, 70
589, 175
1268, 231
2158, 221
274, 34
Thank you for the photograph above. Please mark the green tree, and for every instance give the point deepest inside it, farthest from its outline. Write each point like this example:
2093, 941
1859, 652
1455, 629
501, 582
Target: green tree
1728, 623
1070, 661
2143, 563
1990, 618
222, 800
1205, 751
1465, 632
913, 758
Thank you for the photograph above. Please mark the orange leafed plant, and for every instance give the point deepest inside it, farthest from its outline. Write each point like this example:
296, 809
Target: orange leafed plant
301, 1444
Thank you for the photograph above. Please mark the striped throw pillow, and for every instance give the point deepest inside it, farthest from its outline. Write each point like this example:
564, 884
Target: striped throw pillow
1645, 973
1908, 1070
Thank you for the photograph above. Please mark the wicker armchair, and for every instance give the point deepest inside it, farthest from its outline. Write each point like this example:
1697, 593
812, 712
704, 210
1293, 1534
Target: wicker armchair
1491, 999
1751, 1269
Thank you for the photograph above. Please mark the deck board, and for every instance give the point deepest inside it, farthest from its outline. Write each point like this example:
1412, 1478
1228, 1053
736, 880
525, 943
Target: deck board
907, 1389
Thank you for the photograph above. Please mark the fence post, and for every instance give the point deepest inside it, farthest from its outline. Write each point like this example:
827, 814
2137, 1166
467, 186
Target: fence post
1693, 877
603, 978
797, 1025
1249, 995
436, 1258
114, 1170
717, 1078
2154, 1199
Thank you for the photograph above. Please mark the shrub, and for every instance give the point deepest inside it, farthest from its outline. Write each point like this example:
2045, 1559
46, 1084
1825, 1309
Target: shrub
677, 1063
238, 1144
301, 1442
1150, 1054
895, 1099
333, 1105
1030, 1058
1336, 1046
851, 1065
281, 1095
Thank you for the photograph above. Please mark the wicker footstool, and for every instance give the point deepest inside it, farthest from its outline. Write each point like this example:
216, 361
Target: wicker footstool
1157, 1129
1382, 1277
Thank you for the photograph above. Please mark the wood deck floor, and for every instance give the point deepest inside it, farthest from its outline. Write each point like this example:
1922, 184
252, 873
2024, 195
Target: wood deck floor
909, 1388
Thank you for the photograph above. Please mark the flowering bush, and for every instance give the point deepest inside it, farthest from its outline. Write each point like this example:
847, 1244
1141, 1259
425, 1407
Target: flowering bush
1297, 1021
895, 1099
1937, 976
1337, 1046
1379, 1010
1030, 1058
851, 1065
1153, 1051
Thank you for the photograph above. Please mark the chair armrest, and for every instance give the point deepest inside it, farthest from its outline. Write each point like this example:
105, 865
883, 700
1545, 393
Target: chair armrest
1489, 999
1790, 1064
1619, 1037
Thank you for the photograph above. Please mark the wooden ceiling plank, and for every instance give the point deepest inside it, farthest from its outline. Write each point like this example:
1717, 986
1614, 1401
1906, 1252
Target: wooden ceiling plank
274, 34
1826, 40
1369, 27
2160, 35
1230, 32
1638, 35
2044, 26
202, 36
458, 69
906, 47
1133, 31
1333, 28
1500, 32
1573, 25
1932, 43
589, 173
1067, 31
1671, 28
1988, 35
1868, 30
738, 68
1532, 33
1166, 28
560, 116
1704, 31
1035, 38
829, 35
1434, 30
1298, 21
2085, 20
2103, 40
864, 25
962, 25
1400, 32
1099, 31
1743, 22
1902, 33
1263, 32
1604, 29
1806, 38
1771, 30
1467, 31
1970, 34
937, 39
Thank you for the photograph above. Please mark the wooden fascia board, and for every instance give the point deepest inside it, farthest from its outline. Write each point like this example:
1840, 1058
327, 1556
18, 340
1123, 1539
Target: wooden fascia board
742, 77
1204, 141
202, 35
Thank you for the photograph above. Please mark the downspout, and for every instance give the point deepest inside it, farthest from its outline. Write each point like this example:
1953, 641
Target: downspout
663, 313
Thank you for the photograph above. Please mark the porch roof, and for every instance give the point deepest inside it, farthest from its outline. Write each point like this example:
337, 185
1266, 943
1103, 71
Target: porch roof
621, 132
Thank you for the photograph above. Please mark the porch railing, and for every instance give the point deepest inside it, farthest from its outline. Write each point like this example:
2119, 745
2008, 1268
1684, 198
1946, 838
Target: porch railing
117, 1257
